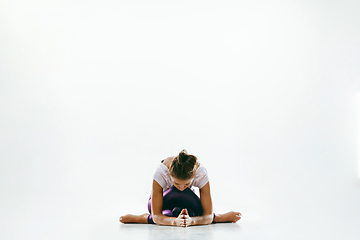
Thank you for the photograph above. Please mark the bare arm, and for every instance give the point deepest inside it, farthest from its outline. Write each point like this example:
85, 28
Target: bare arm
206, 203
156, 208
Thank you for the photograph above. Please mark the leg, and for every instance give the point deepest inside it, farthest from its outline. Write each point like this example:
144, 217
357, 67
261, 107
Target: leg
143, 218
175, 200
227, 217
178, 200
129, 218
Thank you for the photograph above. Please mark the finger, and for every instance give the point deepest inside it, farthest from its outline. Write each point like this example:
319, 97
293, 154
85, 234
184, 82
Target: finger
183, 223
186, 212
183, 211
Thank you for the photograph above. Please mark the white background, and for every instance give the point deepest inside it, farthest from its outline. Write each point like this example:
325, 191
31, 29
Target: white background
93, 94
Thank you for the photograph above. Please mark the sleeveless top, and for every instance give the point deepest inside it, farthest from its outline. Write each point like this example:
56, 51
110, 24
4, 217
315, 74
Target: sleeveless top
162, 177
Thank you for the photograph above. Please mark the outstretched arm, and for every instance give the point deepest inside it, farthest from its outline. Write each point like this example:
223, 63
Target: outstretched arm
206, 203
156, 208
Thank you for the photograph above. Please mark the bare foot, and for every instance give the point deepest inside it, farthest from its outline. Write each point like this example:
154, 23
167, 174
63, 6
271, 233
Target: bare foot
227, 217
129, 218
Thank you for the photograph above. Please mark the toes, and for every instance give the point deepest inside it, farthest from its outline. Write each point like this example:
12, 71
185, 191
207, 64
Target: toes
122, 219
237, 218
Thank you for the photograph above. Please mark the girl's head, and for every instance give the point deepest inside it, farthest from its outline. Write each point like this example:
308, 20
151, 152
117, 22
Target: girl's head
182, 170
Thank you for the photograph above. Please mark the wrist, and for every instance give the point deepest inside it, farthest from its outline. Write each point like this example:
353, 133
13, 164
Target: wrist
193, 221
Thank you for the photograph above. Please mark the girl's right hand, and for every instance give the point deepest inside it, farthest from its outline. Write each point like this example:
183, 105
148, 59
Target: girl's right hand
180, 220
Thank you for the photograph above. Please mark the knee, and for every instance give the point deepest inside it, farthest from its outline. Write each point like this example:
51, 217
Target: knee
176, 211
167, 213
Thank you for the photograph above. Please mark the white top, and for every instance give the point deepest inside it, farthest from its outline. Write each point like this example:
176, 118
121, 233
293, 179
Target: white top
162, 177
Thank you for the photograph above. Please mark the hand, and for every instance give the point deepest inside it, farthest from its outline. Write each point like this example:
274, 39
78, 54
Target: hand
187, 219
180, 220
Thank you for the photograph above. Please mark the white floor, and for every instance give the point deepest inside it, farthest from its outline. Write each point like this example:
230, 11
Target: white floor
217, 231
93, 94
334, 216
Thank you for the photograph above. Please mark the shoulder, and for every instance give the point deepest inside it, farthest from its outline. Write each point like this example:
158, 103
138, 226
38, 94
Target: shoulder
167, 161
200, 169
201, 177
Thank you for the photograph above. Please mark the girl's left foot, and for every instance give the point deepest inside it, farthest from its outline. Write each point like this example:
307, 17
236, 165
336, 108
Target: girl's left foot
227, 217
129, 218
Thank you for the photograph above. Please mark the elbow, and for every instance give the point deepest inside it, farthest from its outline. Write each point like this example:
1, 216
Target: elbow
210, 218
156, 219
206, 219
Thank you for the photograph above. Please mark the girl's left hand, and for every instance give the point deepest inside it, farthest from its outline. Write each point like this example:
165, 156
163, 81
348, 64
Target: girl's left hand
187, 219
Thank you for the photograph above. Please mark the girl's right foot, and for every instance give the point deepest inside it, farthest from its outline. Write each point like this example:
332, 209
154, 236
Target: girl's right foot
129, 218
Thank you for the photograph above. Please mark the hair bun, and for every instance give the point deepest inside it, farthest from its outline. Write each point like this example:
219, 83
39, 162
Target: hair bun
183, 152
183, 156
182, 166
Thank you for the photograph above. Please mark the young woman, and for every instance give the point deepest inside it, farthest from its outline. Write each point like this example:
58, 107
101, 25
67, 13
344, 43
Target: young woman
172, 201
